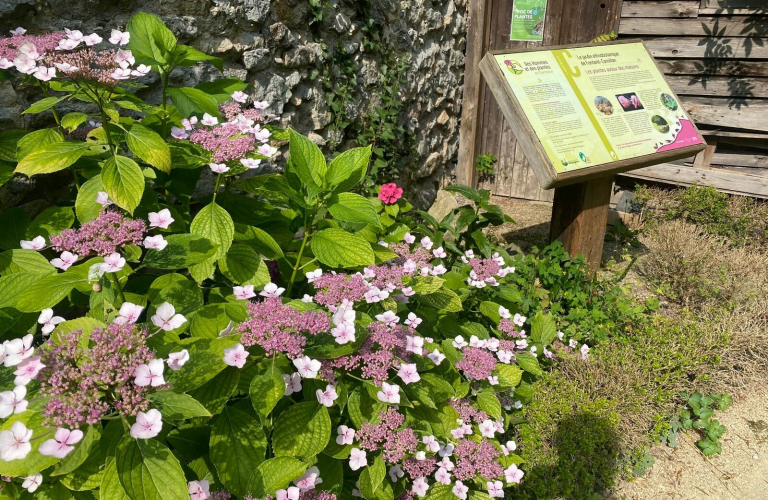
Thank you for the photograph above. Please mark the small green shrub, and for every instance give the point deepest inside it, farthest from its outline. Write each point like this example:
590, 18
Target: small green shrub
698, 414
485, 165
570, 441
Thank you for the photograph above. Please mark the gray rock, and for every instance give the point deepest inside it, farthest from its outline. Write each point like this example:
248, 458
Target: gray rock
257, 59
256, 10
444, 204
341, 22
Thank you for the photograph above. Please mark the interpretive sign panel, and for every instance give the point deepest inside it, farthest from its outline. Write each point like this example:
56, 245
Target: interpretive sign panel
588, 110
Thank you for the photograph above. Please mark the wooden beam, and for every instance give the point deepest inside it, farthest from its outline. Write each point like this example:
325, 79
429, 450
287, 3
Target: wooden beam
740, 160
704, 158
721, 67
726, 5
683, 8
708, 48
473, 82
749, 114
705, 85
723, 180
579, 217
740, 26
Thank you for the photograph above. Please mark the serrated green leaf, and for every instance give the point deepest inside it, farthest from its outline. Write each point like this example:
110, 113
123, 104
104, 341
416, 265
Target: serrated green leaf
302, 431
191, 101
215, 223
149, 146
348, 169
183, 250
238, 446
490, 404
351, 207
274, 474
51, 157
259, 240
509, 375
19, 261
147, 470
36, 139
543, 329
529, 363
443, 299
72, 120
151, 42
244, 266
372, 477
267, 388
123, 181
308, 161
177, 406
215, 393
206, 359
48, 292
338, 248
51, 221
9, 140
86, 207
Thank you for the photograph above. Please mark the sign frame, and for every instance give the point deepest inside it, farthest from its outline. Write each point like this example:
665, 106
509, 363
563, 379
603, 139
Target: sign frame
529, 141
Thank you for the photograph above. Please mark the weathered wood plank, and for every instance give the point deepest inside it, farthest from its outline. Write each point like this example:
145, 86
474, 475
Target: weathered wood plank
740, 160
722, 67
473, 81
688, 47
705, 85
739, 26
683, 8
721, 179
723, 112
727, 5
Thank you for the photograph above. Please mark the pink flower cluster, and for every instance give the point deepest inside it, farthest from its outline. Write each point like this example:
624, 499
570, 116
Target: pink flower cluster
467, 412
103, 235
277, 327
477, 363
381, 352
333, 289
390, 193
475, 459
395, 443
232, 140
87, 383
9, 47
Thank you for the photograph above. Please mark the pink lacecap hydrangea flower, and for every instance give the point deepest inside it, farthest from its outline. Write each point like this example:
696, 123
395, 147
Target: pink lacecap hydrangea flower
390, 193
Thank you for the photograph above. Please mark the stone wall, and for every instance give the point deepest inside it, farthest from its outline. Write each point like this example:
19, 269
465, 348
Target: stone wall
272, 45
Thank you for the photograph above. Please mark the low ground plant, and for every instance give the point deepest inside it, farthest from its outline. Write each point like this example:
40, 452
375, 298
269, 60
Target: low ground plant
281, 337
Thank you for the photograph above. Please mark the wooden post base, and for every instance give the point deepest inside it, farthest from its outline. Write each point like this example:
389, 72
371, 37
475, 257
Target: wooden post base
579, 217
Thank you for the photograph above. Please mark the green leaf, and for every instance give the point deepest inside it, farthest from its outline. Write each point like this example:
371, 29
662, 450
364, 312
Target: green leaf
36, 139
149, 146
191, 101
338, 248
151, 42
529, 363
43, 105
466, 191
490, 404
177, 406
443, 299
440, 492
238, 446
372, 477
123, 181
51, 157
15, 223
302, 431
543, 329
490, 310
89, 474
51, 221
209, 321
267, 388
48, 292
186, 155
80, 454
189, 56
351, 207
86, 207
509, 375
510, 293
34, 462
308, 161
111, 489
147, 470
259, 240
364, 408
274, 474
206, 359
9, 140
18, 261
215, 393
244, 266
222, 88
6, 171
427, 284
215, 223
348, 169
72, 120
183, 250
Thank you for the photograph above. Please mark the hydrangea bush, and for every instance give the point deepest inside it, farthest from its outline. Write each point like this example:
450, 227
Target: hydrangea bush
280, 338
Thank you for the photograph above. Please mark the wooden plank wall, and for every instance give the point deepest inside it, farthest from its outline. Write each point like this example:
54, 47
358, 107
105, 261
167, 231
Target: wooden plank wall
715, 55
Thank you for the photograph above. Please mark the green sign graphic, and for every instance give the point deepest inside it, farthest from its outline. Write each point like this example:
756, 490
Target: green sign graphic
528, 20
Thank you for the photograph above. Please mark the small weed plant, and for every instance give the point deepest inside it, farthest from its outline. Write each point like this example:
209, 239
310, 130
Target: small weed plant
699, 415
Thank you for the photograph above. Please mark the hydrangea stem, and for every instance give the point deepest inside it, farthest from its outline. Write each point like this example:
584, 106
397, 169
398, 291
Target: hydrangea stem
298, 261
119, 287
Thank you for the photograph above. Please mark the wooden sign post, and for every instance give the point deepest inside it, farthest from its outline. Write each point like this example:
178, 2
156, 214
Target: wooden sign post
583, 113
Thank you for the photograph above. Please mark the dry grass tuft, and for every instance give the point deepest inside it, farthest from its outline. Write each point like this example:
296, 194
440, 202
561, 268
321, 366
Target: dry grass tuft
700, 270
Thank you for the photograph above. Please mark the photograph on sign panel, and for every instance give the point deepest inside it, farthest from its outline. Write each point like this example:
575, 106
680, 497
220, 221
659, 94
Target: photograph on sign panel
629, 102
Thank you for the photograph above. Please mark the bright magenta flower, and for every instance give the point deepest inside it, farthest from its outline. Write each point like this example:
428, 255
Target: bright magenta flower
390, 193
